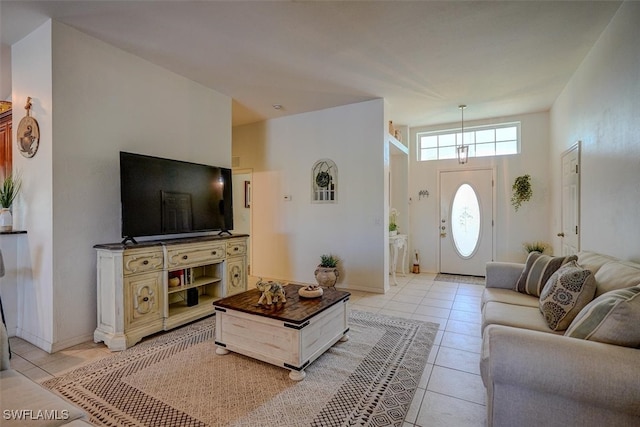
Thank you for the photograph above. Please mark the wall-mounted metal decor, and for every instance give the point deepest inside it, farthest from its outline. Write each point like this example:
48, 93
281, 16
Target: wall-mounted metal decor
324, 182
28, 133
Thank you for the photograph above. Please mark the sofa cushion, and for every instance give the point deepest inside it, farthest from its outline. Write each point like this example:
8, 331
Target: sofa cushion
508, 296
538, 269
593, 261
617, 275
567, 292
611, 318
517, 316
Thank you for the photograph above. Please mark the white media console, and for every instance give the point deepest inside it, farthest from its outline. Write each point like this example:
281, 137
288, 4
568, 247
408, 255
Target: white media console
152, 286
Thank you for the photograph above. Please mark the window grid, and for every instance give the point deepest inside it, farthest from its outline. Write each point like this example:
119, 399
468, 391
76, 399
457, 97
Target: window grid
483, 141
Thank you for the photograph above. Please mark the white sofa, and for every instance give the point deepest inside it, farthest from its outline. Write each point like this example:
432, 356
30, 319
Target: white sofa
535, 376
26, 403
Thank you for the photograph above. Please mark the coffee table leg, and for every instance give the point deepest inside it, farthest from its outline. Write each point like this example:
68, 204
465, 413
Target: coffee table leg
221, 351
297, 375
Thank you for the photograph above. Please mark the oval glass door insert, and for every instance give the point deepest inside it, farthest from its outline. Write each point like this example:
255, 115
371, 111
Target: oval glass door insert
465, 221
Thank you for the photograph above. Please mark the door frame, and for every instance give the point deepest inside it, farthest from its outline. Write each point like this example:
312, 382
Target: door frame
248, 171
577, 147
493, 170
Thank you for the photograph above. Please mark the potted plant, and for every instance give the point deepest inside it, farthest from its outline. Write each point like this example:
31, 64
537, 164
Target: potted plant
8, 192
393, 225
522, 191
536, 247
327, 271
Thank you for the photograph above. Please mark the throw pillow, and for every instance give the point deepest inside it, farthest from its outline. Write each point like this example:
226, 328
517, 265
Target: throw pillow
612, 318
566, 292
537, 271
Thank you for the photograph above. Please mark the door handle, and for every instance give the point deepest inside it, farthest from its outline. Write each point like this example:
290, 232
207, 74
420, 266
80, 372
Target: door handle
561, 234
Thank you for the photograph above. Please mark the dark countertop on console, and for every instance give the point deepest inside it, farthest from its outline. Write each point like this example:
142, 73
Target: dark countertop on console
166, 242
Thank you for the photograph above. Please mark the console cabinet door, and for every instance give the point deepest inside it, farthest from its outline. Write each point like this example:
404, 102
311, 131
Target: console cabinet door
236, 275
144, 299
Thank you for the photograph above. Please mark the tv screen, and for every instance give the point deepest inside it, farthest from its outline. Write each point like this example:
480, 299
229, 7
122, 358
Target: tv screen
163, 196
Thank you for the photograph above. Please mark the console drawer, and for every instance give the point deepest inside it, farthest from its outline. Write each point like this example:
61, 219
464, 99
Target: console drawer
236, 248
140, 262
183, 257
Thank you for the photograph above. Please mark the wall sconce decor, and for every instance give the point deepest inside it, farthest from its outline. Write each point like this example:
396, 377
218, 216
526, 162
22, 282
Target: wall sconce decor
28, 133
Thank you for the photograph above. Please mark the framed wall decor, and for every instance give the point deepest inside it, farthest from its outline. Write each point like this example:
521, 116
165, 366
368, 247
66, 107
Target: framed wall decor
324, 182
28, 134
247, 194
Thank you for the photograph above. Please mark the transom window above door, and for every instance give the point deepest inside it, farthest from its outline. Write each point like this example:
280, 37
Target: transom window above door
483, 141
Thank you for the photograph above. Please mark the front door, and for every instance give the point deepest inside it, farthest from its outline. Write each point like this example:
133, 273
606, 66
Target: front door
570, 233
466, 221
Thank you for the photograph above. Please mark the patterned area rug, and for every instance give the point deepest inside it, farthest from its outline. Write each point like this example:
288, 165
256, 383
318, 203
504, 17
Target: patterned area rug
176, 379
457, 278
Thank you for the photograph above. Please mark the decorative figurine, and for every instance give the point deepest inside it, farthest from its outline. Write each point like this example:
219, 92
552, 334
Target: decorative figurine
273, 292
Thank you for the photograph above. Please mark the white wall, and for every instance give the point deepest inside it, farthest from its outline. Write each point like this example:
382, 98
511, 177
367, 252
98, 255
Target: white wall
105, 100
513, 228
288, 237
601, 107
31, 73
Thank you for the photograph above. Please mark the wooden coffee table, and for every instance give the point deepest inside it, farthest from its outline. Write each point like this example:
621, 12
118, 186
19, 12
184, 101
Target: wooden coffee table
291, 335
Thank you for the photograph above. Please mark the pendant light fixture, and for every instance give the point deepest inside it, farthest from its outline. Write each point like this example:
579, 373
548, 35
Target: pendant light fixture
462, 151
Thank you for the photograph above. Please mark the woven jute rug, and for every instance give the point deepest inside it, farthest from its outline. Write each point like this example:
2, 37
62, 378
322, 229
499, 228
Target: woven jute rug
177, 379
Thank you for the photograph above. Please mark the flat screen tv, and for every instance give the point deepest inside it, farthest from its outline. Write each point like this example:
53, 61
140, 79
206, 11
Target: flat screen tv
162, 196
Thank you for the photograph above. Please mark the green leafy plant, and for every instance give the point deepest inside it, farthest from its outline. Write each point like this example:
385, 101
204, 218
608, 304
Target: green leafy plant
393, 218
536, 246
328, 261
522, 191
9, 190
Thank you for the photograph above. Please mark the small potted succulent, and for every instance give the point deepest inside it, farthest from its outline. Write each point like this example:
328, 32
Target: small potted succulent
327, 271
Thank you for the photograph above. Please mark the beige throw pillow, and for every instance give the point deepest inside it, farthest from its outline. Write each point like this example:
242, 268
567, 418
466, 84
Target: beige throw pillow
566, 292
612, 318
537, 271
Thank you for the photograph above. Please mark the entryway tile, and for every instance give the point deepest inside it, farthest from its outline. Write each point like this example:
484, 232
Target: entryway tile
458, 359
438, 410
454, 383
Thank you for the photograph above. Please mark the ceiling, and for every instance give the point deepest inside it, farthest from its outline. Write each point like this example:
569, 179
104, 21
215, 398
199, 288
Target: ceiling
424, 57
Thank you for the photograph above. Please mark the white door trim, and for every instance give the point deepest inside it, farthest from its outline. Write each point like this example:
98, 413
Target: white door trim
577, 147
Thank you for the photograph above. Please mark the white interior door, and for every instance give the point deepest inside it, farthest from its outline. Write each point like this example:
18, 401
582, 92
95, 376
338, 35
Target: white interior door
466, 221
570, 205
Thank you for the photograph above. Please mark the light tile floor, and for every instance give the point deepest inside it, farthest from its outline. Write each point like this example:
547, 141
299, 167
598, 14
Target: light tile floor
450, 392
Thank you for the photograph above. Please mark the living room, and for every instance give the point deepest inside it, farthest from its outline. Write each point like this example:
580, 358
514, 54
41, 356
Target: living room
93, 100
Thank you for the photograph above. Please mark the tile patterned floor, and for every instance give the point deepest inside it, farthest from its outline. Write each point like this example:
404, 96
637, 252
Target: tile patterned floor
450, 392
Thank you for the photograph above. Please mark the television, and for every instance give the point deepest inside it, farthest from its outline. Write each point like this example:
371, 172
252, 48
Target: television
163, 196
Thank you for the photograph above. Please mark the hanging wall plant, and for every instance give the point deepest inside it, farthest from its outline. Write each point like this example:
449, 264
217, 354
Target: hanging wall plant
522, 191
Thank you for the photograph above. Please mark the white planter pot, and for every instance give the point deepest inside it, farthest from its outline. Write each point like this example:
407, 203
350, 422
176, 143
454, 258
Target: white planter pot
6, 220
393, 233
327, 276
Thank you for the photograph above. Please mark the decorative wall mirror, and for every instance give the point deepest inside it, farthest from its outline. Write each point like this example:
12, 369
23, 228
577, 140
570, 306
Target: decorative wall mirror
324, 182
